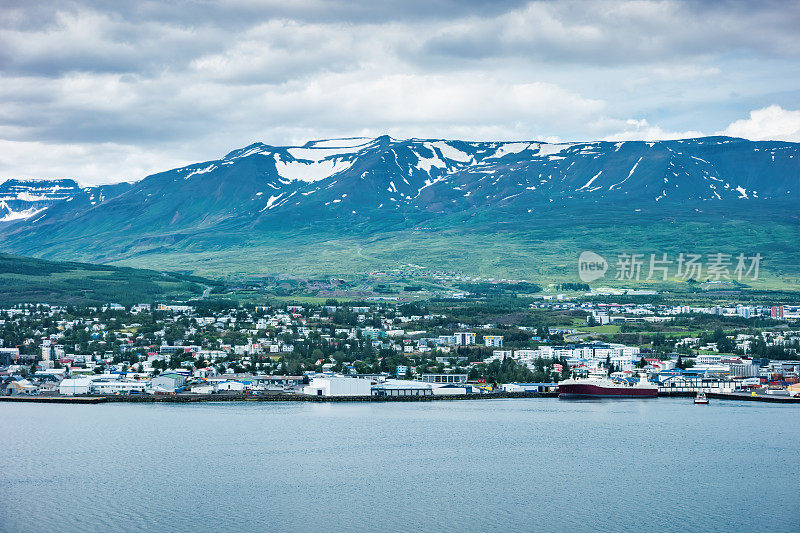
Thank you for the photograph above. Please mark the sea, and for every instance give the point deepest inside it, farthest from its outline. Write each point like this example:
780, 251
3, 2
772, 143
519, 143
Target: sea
484, 465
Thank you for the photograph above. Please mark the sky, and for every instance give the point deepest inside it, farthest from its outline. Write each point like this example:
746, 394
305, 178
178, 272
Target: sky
105, 91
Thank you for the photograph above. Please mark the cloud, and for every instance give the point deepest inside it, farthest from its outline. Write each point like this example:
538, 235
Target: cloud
613, 32
87, 164
115, 90
641, 130
771, 123
464, 106
100, 42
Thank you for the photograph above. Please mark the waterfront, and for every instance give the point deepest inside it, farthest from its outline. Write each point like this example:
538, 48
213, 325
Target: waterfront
511, 464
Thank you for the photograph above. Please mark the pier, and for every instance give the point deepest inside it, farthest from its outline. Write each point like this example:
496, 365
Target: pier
280, 397
55, 399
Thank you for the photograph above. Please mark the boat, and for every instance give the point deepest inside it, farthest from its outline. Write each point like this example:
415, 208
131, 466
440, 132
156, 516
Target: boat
603, 387
701, 399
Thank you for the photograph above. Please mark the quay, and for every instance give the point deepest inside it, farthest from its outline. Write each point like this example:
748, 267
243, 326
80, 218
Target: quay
276, 397
179, 398
748, 397
55, 399
742, 396
280, 397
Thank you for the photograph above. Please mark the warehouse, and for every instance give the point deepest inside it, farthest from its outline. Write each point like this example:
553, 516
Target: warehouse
168, 382
338, 386
401, 387
73, 386
118, 387
530, 387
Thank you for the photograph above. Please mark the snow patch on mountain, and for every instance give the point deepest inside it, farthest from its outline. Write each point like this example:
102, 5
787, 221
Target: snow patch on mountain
257, 148
508, 148
25, 196
628, 176
546, 149
451, 153
271, 202
307, 169
17, 215
425, 164
589, 183
204, 170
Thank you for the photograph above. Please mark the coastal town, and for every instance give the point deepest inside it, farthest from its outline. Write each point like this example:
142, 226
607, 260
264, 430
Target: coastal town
220, 349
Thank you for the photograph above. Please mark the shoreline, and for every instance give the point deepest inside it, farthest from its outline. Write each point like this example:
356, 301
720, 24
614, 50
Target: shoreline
197, 398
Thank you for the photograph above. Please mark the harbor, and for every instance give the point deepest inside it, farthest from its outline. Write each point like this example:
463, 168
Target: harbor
279, 397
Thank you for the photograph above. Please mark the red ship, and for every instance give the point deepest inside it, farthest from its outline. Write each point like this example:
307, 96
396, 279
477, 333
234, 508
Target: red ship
606, 388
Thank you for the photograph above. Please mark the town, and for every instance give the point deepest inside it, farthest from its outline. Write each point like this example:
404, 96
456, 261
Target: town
385, 350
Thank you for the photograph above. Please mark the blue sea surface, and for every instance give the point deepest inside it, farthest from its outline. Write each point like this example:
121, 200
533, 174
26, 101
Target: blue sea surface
489, 465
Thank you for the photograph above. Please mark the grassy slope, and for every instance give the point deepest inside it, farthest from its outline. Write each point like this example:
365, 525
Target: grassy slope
541, 246
541, 251
27, 280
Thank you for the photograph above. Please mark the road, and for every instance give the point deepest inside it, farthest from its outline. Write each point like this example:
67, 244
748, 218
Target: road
575, 337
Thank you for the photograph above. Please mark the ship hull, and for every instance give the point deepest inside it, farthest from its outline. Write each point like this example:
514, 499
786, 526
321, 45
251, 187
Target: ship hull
596, 391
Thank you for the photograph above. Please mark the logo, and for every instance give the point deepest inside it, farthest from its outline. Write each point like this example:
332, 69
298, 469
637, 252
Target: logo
591, 266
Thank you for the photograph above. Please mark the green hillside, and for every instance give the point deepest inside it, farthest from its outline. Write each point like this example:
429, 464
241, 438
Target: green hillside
543, 250
27, 280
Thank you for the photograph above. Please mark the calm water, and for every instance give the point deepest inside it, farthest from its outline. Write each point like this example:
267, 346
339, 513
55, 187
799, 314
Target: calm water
495, 465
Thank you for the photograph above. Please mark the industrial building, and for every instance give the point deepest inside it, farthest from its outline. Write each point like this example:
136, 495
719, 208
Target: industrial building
75, 386
401, 387
338, 386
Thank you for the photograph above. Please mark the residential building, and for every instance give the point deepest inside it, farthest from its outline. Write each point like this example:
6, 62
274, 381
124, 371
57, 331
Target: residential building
493, 341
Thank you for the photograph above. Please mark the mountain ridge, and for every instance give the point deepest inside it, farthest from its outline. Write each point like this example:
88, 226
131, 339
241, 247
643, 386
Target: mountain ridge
364, 186
292, 169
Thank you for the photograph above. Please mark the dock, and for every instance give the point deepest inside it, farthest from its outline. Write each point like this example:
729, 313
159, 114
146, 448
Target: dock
55, 399
280, 397
740, 396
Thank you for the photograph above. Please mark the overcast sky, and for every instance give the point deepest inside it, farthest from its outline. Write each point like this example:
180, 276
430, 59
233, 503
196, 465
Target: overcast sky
107, 91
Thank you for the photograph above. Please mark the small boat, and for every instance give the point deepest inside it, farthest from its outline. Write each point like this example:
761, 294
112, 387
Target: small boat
701, 399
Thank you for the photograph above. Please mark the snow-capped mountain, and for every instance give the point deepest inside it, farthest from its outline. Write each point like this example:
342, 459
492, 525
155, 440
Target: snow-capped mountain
23, 199
387, 181
439, 175
385, 173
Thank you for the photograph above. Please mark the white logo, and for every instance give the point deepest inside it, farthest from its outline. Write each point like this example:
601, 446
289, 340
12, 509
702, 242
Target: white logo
591, 266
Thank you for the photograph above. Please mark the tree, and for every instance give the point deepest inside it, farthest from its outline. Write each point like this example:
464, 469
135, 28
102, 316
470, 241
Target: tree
565, 372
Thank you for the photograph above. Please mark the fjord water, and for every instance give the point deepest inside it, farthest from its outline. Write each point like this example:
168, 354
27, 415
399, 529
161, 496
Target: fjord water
490, 465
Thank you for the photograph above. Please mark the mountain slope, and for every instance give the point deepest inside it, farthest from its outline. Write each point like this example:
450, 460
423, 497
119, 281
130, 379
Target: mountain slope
278, 200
